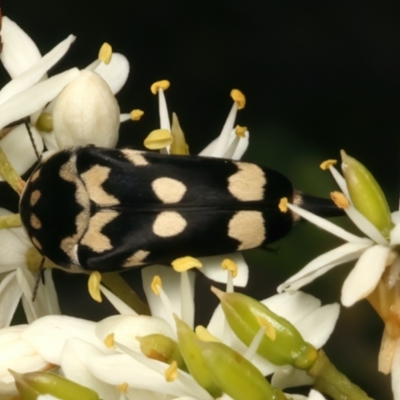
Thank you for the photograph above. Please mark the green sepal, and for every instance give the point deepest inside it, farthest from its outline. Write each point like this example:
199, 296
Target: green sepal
162, 348
235, 375
366, 194
281, 344
33, 384
194, 360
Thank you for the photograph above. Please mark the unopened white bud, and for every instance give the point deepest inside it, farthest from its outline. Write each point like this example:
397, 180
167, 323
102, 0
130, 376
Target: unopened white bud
86, 112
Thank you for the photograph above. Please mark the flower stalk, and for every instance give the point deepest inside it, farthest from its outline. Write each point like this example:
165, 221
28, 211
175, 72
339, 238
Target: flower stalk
330, 381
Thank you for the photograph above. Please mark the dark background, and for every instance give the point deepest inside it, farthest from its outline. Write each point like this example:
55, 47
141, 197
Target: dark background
319, 76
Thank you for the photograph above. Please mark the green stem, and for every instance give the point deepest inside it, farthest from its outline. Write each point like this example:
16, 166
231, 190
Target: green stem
330, 381
9, 174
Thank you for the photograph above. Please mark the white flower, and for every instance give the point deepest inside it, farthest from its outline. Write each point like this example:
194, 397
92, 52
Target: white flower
25, 65
27, 92
72, 344
374, 253
375, 276
230, 143
17, 283
86, 111
302, 310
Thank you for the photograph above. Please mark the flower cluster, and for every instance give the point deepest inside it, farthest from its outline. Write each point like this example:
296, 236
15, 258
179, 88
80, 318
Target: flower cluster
163, 355
375, 275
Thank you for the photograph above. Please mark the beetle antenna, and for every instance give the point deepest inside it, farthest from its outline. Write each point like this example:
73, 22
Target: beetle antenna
39, 277
28, 128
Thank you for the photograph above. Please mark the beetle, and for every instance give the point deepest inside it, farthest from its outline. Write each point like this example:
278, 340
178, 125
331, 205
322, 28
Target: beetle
90, 208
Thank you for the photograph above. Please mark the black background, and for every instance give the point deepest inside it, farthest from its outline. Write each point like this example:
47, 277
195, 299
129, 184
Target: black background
319, 76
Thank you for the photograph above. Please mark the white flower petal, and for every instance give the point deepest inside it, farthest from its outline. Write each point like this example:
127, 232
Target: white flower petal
117, 303
46, 301
340, 181
127, 327
396, 217
86, 112
292, 306
325, 319
395, 235
34, 98
183, 385
365, 275
170, 283
36, 72
19, 149
74, 363
314, 395
365, 226
287, 376
115, 73
10, 294
49, 293
19, 50
217, 148
13, 249
17, 355
305, 312
241, 147
49, 139
327, 225
212, 268
48, 335
322, 264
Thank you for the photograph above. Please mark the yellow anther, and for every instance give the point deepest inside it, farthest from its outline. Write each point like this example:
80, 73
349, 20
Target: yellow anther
94, 286
109, 341
156, 284
270, 330
185, 263
326, 164
158, 139
340, 200
156, 86
45, 122
105, 53
123, 388
240, 131
283, 204
136, 114
171, 373
204, 335
239, 98
231, 266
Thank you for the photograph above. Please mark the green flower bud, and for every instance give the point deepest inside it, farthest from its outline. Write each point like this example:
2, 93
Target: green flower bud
282, 343
162, 348
33, 384
366, 194
194, 360
235, 375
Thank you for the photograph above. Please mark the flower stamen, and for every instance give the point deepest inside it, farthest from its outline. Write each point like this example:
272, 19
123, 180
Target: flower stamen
171, 373
105, 53
185, 263
327, 164
239, 98
340, 200
94, 286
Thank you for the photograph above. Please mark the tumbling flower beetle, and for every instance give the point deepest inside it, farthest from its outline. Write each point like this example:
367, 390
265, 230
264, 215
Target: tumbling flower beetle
91, 208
